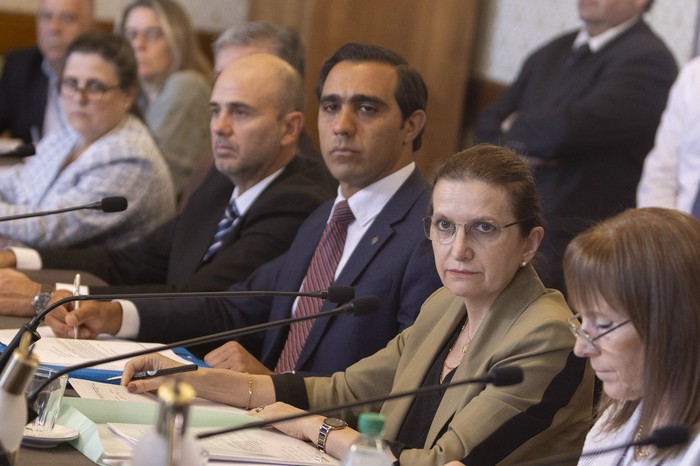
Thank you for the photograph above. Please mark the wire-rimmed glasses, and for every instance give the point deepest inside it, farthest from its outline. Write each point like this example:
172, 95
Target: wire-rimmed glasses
481, 231
578, 331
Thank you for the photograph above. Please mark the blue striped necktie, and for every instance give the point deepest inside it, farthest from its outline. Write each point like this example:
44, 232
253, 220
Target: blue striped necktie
319, 276
222, 229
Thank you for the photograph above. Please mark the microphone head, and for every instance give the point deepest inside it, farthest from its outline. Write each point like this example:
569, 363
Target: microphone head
23, 150
363, 306
669, 436
504, 376
340, 294
113, 204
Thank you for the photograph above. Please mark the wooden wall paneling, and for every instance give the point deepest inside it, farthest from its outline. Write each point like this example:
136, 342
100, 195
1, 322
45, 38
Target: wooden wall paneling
435, 37
18, 30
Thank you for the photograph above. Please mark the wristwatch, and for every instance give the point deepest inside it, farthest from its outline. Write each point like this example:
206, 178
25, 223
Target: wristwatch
329, 424
42, 298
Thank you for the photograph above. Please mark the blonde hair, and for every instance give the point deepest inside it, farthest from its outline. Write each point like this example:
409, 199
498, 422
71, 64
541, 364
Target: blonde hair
182, 41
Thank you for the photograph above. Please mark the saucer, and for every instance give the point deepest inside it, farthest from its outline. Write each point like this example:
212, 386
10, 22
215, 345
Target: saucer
39, 439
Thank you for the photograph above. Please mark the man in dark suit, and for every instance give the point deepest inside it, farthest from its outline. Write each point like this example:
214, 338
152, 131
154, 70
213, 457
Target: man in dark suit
29, 103
583, 112
371, 117
254, 134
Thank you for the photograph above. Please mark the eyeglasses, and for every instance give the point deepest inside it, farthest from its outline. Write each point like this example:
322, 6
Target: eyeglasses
93, 90
481, 231
578, 331
151, 34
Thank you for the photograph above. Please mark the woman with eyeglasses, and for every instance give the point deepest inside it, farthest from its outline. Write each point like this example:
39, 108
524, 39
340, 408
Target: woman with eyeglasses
175, 82
635, 282
493, 312
107, 151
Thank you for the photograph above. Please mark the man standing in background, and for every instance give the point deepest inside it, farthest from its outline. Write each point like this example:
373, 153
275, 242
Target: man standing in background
29, 102
583, 112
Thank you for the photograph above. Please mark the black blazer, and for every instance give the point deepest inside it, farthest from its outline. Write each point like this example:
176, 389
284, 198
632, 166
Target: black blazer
170, 259
23, 94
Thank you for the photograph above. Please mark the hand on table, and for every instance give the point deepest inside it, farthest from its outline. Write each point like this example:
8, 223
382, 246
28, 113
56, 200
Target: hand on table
233, 356
146, 363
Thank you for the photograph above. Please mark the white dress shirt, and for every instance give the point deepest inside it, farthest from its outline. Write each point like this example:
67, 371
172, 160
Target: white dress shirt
671, 174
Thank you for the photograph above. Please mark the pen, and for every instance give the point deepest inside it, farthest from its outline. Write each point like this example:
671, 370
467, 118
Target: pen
159, 372
76, 304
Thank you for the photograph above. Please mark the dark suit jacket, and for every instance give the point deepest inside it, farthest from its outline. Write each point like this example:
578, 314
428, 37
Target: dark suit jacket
593, 127
170, 259
393, 261
23, 93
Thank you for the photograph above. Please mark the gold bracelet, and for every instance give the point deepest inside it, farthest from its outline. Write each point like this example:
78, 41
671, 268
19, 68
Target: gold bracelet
250, 390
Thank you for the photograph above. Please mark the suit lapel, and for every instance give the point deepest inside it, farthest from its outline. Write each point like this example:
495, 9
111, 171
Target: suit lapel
489, 337
203, 217
420, 363
377, 235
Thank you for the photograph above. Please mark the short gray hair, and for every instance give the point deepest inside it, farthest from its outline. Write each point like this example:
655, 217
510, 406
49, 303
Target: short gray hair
285, 41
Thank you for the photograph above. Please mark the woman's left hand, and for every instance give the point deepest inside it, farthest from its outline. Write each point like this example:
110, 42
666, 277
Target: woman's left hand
305, 428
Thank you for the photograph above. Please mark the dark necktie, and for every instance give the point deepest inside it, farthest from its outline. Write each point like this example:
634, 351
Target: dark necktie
222, 229
319, 276
577, 55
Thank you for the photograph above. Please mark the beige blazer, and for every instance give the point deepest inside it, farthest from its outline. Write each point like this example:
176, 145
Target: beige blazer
548, 413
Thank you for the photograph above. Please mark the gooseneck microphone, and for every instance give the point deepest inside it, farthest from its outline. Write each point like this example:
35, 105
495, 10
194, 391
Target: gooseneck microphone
334, 294
663, 437
23, 150
107, 204
499, 376
358, 307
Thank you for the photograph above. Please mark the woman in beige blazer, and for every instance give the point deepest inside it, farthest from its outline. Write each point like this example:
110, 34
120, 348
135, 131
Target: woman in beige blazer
492, 312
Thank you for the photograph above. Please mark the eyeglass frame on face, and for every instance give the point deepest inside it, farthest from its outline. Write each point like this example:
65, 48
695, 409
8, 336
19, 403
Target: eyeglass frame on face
428, 224
151, 34
94, 90
577, 330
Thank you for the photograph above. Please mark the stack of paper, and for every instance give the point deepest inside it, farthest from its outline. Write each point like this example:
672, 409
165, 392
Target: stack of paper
123, 418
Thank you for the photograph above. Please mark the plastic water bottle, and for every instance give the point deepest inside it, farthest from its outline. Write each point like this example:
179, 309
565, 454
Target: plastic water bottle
369, 449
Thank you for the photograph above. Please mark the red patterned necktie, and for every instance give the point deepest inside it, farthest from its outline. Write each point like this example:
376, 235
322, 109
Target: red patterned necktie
319, 276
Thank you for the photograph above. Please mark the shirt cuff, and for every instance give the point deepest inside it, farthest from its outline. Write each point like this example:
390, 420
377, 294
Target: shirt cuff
27, 258
130, 320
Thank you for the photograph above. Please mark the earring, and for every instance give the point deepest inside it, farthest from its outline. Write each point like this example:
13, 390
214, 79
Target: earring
523, 264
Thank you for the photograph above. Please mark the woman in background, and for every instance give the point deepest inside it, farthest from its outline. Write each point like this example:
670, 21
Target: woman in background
635, 282
107, 151
174, 81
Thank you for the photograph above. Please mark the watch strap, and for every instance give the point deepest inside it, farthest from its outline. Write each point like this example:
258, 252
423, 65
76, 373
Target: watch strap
328, 425
42, 298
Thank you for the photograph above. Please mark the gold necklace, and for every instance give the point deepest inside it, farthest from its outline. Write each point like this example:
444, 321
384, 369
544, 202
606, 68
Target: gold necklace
465, 347
641, 451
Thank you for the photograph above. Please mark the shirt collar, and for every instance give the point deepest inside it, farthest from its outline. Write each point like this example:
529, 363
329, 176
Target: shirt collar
245, 200
601, 40
369, 201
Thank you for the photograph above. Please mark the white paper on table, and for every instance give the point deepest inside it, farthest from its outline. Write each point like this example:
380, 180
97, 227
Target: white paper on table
64, 352
253, 445
105, 391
